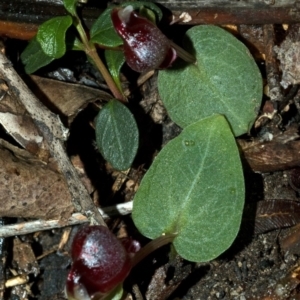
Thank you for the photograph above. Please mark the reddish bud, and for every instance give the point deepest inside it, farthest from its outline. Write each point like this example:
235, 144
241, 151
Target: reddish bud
145, 46
100, 263
131, 246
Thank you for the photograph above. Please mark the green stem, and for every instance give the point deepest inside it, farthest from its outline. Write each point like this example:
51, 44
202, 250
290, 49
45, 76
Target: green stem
106, 75
152, 246
91, 51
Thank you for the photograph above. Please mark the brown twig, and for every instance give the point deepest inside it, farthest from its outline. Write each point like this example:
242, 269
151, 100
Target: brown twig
75, 219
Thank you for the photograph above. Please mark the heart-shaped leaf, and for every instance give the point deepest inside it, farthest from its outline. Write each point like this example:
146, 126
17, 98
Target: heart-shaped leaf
225, 80
33, 57
115, 60
194, 187
103, 32
51, 36
117, 135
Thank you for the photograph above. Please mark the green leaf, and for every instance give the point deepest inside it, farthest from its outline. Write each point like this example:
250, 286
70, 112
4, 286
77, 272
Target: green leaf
225, 80
116, 293
34, 58
148, 14
117, 134
141, 5
115, 60
70, 6
72, 42
103, 32
51, 36
194, 187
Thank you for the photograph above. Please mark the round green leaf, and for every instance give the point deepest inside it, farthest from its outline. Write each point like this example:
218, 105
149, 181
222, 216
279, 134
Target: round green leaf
194, 187
225, 81
51, 36
103, 32
117, 134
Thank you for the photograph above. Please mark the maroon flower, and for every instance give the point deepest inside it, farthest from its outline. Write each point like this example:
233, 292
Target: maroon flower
100, 263
145, 46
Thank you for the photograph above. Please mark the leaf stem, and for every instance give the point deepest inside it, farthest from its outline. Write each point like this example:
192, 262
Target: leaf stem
183, 54
91, 51
152, 246
106, 75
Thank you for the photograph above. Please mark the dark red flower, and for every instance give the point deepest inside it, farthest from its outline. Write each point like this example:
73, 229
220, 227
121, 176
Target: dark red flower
145, 46
100, 263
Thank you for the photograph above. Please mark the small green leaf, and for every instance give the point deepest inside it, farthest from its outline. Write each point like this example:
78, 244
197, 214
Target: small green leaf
145, 5
115, 60
148, 14
116, 293
70, 6
194, 187
72, 42
51, 36
225, 80
103, 32
117, 134
34, 58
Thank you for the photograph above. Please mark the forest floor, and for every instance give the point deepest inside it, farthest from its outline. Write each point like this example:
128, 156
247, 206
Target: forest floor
263, 262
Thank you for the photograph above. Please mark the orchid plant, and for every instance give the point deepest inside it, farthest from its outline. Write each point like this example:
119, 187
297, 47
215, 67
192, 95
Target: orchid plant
193, 193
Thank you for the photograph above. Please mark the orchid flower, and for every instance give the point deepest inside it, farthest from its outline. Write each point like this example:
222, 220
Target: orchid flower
145, 46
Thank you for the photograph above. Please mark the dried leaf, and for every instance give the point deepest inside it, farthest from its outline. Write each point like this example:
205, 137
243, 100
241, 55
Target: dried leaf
18, 124
29, 189
24, 258
291, 242
68, 99
281, 153
268, 215
294, 179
